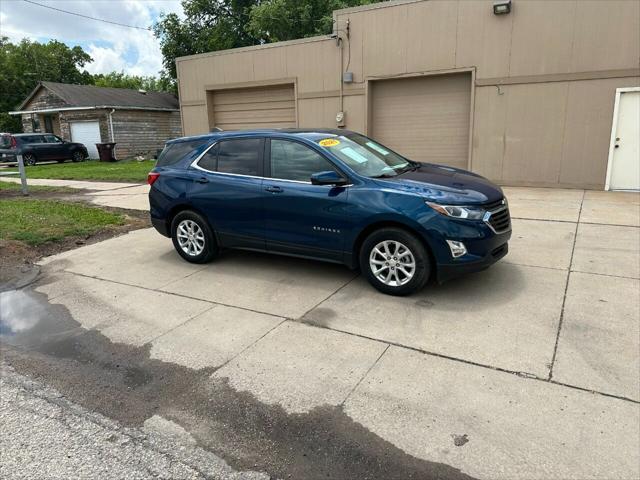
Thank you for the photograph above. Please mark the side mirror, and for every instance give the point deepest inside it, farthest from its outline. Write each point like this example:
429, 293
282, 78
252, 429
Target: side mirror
329, 177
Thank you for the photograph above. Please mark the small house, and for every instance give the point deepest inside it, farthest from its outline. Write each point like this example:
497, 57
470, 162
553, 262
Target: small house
139, 122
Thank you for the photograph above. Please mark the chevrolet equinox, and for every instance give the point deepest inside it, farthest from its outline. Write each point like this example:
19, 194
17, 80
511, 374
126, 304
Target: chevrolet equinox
331, 195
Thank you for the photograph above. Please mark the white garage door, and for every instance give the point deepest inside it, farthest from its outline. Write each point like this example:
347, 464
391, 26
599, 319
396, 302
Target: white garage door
424, 118
263, 107
87, 133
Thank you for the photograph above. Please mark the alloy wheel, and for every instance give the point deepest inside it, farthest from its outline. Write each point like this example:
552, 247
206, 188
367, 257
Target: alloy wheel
392, 263
190, 237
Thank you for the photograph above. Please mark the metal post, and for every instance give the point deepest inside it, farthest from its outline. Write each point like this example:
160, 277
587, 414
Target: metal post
23, 176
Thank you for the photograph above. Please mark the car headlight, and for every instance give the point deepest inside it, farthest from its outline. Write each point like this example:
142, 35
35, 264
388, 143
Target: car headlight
458, 211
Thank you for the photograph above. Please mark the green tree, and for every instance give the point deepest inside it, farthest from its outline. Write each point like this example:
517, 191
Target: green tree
208, 26
24, 64
123, 80
211, 25
279, 20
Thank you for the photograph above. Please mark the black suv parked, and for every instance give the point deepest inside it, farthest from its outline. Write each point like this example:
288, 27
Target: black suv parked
36, 147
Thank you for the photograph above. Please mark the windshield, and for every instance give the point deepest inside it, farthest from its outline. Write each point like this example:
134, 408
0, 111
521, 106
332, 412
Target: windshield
366, 157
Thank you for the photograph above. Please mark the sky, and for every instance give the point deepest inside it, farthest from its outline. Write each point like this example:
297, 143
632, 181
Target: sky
112, 47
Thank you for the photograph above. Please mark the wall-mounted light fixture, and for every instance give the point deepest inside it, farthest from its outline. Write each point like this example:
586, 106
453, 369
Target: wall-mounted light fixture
501, 7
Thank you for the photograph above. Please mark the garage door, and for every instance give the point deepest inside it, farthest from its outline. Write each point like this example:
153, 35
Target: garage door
424, 118
263, 107
87, 133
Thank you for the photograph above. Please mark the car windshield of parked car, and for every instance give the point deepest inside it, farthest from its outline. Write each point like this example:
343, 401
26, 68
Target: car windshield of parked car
365, 156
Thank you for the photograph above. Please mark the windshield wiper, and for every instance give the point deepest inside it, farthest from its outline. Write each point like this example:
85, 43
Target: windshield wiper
384, 175
410, 167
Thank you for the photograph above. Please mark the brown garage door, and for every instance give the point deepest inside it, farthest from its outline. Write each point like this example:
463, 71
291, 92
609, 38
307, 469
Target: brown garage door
424, 118
263, 107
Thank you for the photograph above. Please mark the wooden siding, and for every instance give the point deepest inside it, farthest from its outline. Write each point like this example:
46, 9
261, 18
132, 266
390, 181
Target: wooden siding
143, 132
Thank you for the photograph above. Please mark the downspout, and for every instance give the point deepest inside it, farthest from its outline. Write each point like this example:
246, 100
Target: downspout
111, 130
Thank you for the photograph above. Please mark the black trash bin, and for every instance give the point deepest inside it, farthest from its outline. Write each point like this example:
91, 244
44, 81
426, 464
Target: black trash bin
106, 151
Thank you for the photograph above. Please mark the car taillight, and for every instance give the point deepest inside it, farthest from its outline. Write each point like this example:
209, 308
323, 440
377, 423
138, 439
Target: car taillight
14, 143
152, 177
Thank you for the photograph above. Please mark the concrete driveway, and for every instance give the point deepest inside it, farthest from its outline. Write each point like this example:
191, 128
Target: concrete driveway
530, 369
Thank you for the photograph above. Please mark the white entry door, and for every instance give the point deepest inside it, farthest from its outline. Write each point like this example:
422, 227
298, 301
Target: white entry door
625, 158
87, 133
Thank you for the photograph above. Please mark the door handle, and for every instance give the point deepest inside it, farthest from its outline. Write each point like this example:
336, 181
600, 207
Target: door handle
202, 180
274, 189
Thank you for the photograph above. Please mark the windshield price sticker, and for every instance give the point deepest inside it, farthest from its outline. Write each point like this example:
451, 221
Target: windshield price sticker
329, 142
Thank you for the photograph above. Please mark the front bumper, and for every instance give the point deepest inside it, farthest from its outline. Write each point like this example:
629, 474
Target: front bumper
453, 270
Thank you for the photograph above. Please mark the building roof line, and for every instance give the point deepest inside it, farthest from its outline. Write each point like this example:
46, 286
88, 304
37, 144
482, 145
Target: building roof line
251, 48
96, 107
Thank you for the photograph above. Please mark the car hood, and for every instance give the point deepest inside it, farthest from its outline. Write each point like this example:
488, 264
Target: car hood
445, 185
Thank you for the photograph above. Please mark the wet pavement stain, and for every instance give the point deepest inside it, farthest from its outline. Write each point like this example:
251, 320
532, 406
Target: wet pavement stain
122, 382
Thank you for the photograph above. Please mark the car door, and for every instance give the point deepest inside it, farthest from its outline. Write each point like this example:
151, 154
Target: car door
227, 187
301, 218
36, 145
55, 148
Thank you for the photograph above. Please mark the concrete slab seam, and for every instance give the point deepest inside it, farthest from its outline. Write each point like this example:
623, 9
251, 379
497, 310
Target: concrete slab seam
604, 274
193, 317
566, 288
328, 297
525, 375
364, 376
174, 294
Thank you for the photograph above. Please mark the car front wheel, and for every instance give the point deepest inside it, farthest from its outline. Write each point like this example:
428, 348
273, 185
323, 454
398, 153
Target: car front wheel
395, 261
77, 156
192, 237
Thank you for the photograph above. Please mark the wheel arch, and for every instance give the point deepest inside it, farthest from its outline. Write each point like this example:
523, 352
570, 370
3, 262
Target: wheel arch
181, 207
380, 224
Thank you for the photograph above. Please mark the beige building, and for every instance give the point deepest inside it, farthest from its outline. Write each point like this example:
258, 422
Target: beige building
537, 96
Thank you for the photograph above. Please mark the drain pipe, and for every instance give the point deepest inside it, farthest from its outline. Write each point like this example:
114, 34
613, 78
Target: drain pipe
111, 130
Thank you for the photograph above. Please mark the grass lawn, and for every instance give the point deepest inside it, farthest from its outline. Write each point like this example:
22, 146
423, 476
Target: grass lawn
16, 187
123, 171
38, 221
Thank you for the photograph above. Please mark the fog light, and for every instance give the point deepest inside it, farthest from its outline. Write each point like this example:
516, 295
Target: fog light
457, 248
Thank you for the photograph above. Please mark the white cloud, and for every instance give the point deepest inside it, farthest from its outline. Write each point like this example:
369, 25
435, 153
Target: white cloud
112, 47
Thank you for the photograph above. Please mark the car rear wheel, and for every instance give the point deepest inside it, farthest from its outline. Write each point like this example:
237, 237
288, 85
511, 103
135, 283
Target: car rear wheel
192, 237
395, 261
29, 159
77, 156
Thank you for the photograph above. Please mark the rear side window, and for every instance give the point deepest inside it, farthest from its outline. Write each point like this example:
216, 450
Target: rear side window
32, 139
209, 159
294, 161
240, 156
174, 152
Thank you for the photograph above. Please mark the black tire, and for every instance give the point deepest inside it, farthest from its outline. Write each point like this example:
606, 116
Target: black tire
77, 156
29, 159
210, 249
395, 236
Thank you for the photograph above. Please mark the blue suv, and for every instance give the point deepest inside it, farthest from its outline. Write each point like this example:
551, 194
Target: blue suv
331, 195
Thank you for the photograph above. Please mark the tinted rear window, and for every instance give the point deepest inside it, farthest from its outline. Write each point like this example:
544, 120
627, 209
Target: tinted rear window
240, 156
175, 152
30, 139
5, 141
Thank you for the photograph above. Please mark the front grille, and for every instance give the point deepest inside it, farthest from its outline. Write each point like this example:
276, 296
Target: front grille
500, 220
